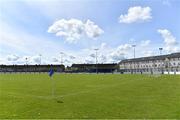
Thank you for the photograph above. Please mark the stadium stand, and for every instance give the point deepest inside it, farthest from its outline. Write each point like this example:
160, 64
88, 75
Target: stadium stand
31, 68
93, 68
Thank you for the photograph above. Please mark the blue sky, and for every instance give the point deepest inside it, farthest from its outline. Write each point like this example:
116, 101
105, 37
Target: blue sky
75, 27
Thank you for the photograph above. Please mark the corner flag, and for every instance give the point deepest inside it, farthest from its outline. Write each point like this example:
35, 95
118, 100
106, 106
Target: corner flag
51, 72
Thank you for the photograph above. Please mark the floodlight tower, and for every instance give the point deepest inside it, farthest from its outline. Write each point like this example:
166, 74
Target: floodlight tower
160, 51
96, 60
61, 57
134, 46
26, 60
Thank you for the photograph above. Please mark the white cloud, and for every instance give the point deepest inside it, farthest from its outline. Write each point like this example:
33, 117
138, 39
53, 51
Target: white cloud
145, 43
73, 29
55, 60
35, 60
16, 42
92, 55
12, 58
1, 61
117, 56
16, 59
72, 57
92, 30
120, 52
30, 60
169, 40
147, 53
89, 61
136, 14
105, 54
124, 47
103, 58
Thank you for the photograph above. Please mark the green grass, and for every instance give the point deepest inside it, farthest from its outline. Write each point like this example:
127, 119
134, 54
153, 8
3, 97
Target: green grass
89, 96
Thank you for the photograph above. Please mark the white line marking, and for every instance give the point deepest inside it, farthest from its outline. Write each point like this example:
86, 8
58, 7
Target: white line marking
19, 95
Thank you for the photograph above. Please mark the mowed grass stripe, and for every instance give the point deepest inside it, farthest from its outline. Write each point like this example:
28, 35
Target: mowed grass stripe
56, 96
89, 96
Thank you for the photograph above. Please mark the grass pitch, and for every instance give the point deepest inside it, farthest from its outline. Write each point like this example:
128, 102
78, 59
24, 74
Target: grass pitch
89, 96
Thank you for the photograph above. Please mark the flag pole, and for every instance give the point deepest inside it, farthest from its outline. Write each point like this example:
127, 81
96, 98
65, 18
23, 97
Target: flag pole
52, 87
51, 72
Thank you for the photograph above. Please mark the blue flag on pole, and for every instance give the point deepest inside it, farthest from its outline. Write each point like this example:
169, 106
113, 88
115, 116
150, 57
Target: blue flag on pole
51, 72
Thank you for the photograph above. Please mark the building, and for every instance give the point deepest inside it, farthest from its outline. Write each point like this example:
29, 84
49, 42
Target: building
169, 64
